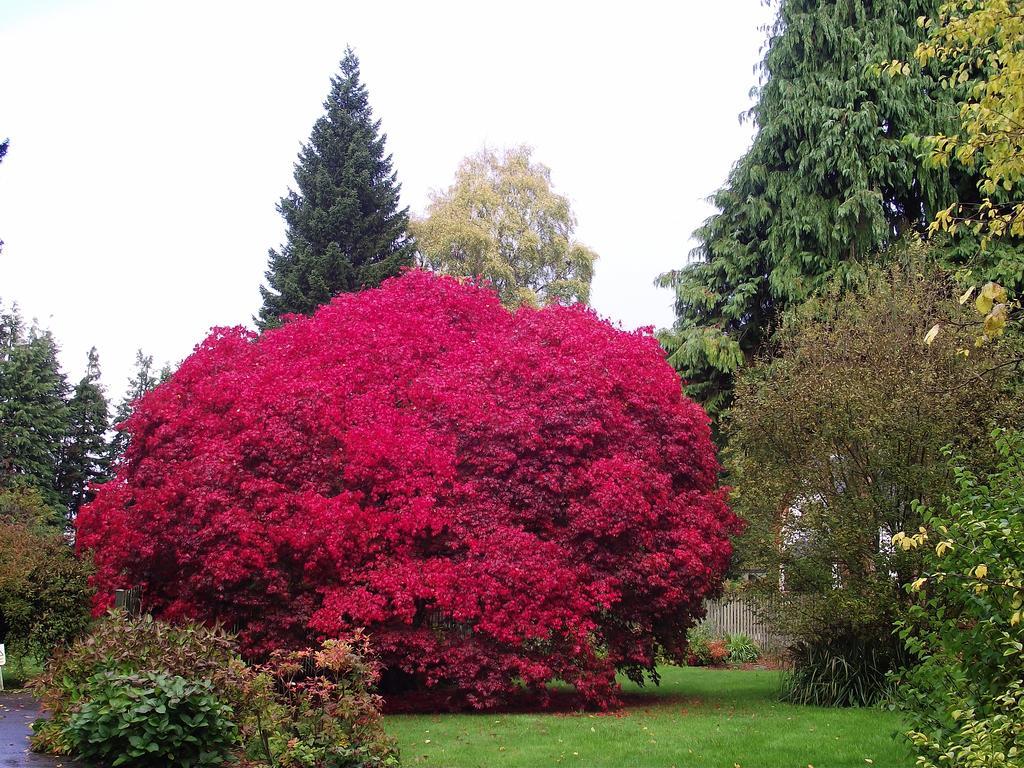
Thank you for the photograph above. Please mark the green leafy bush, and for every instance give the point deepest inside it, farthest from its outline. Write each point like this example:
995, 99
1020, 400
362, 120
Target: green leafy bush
44, 590
151, 719
122, 645
741, 649
831, 439
303, 709
699, 639
965, 696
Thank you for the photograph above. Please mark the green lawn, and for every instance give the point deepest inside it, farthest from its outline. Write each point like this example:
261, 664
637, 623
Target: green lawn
696, 718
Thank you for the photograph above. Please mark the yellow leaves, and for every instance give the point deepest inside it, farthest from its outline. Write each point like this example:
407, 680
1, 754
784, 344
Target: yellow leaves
981, 571
991, 294
1015, 619
917, 584
933, 332
943, 547
906, 543
966, 296
995, 322
976, 45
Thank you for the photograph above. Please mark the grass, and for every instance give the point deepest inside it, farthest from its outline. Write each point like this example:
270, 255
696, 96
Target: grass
696, 718
19, 670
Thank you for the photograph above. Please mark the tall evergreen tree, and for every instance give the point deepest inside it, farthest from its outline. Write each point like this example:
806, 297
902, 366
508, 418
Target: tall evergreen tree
3, 151
143, 380
33, 411
86, 454
827, 182
345, 229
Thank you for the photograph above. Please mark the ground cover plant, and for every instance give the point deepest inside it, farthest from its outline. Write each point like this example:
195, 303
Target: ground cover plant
500, 498
718, 718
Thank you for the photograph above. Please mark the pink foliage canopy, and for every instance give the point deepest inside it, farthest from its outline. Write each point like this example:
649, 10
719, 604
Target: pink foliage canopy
496, 496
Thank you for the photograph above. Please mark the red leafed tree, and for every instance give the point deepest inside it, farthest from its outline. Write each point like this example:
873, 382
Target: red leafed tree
496, 496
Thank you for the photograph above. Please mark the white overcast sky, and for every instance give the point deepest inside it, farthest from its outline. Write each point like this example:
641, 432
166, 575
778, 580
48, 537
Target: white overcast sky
151, 141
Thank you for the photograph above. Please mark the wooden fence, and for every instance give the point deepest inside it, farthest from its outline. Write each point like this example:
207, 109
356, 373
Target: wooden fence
744, 616
129, 600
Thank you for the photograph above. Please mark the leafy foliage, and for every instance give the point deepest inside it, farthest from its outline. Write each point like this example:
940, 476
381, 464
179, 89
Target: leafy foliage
965, 696
827, 182
742, 649
502, 221
121, 645
698, 646
151, 720
345, 229
495, 496
152, 683
834, 438
979, 47
324, 712
44, 591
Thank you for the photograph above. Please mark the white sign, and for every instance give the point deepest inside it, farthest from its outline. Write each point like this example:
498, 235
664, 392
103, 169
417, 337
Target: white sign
3, 655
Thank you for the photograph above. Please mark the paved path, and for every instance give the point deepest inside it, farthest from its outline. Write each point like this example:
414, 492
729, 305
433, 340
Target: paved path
17, 710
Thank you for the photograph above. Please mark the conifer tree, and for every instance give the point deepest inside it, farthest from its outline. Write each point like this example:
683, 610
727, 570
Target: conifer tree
33, 411
86, 455
827, 182
345, 228
143, 380
3, 151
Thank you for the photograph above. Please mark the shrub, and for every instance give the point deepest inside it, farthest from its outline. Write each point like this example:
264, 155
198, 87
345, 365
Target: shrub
717, 653
306, 708
121, 645
323, 711
965, 697
44, 590
741, 649
151, 720
831, 440
698, 641
500, 498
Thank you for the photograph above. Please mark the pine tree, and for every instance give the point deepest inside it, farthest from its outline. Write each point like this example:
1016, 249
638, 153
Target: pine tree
86, 456
3, 151
345, 229
827, 182
141, 382
33, 412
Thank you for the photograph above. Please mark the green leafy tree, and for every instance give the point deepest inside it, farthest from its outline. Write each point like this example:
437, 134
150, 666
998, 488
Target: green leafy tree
33, 411
977, 47
827, 182
832, 440
44, 592
965, 695
502, 221
345, 228
85, 459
